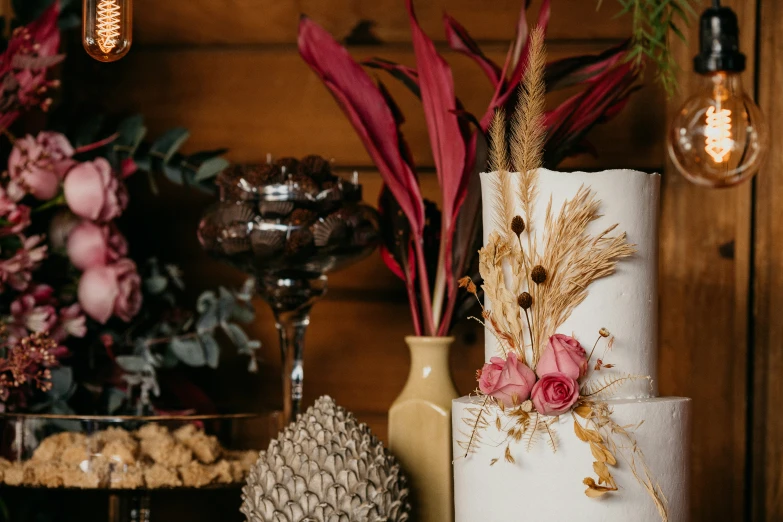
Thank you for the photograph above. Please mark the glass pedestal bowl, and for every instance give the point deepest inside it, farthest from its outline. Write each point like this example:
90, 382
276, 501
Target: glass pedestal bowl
289, 224
129, 458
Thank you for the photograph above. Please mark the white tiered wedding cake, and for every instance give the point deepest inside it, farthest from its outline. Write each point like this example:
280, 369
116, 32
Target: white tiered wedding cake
617, 452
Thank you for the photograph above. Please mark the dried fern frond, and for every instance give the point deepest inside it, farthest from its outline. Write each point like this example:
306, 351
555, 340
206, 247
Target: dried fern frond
528, 132
551, 435
477, 421
605, 387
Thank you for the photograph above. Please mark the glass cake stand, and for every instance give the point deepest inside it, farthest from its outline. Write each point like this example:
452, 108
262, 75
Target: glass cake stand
131, 458
289, 224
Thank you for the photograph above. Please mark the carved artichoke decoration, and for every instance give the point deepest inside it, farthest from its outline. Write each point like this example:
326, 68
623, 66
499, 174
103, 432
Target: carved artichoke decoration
326, 467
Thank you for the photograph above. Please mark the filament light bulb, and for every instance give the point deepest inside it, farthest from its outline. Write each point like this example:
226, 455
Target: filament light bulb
107, 28
718, 138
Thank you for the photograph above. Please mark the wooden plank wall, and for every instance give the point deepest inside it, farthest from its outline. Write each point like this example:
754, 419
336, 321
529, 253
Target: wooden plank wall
230, 72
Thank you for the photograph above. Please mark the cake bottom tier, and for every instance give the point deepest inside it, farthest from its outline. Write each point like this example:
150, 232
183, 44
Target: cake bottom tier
548, 487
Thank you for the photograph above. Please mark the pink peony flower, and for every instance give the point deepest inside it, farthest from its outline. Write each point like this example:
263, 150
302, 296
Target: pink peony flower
92, 191
34, 311
509, 381
111, 290
554, 394
90, 244
563, 354
37, 165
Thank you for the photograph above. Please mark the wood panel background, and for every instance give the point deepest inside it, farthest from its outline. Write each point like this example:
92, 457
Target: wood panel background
230, 72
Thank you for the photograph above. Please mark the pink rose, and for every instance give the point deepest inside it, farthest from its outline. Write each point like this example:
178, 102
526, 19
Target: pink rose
563, 354
92, 191
92, 245
37, 165
509, 381
111, 290
554, 394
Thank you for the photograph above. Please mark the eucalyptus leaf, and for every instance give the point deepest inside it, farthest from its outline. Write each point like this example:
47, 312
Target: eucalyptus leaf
206, 301
169, 358
226, 304
114, 400
211, 349
189, 351
211, 168
169, 143
237, 335
131, 133
243, 313
174, 174
62, 383
208, 321
156, 284
132, 363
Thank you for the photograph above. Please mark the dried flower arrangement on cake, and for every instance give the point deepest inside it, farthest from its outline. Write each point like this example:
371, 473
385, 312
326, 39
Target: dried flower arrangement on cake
530, 288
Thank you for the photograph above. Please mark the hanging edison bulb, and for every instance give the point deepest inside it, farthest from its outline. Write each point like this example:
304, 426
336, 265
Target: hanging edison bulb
107, 27
718, 138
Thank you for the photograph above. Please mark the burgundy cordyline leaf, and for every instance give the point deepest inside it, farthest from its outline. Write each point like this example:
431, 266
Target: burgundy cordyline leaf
604, 97
460, 41
447, 142
582, 69
367, 110
407, 75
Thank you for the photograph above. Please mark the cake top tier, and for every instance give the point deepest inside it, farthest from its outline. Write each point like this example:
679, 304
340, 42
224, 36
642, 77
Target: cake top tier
574, 253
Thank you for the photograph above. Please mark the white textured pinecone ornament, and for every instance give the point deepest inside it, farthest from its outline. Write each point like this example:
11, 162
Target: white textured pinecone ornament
326, 467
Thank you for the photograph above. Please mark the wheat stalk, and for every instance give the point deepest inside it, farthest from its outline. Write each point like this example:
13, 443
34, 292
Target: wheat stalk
528, 132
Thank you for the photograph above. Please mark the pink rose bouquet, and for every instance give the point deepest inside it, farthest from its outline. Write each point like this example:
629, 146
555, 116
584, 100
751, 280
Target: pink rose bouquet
552, 389
73, 300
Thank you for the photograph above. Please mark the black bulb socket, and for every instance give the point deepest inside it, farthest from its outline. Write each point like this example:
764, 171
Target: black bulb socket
719, 42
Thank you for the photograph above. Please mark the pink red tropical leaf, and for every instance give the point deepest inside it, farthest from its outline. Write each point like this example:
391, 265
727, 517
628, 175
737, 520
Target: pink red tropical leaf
407, 75
366, 108
459, 40
583, 69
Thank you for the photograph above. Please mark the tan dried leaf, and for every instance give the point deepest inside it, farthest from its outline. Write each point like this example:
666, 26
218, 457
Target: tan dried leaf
604, 475
598, 451
594, 490
508, 456
580, 432
584, 410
